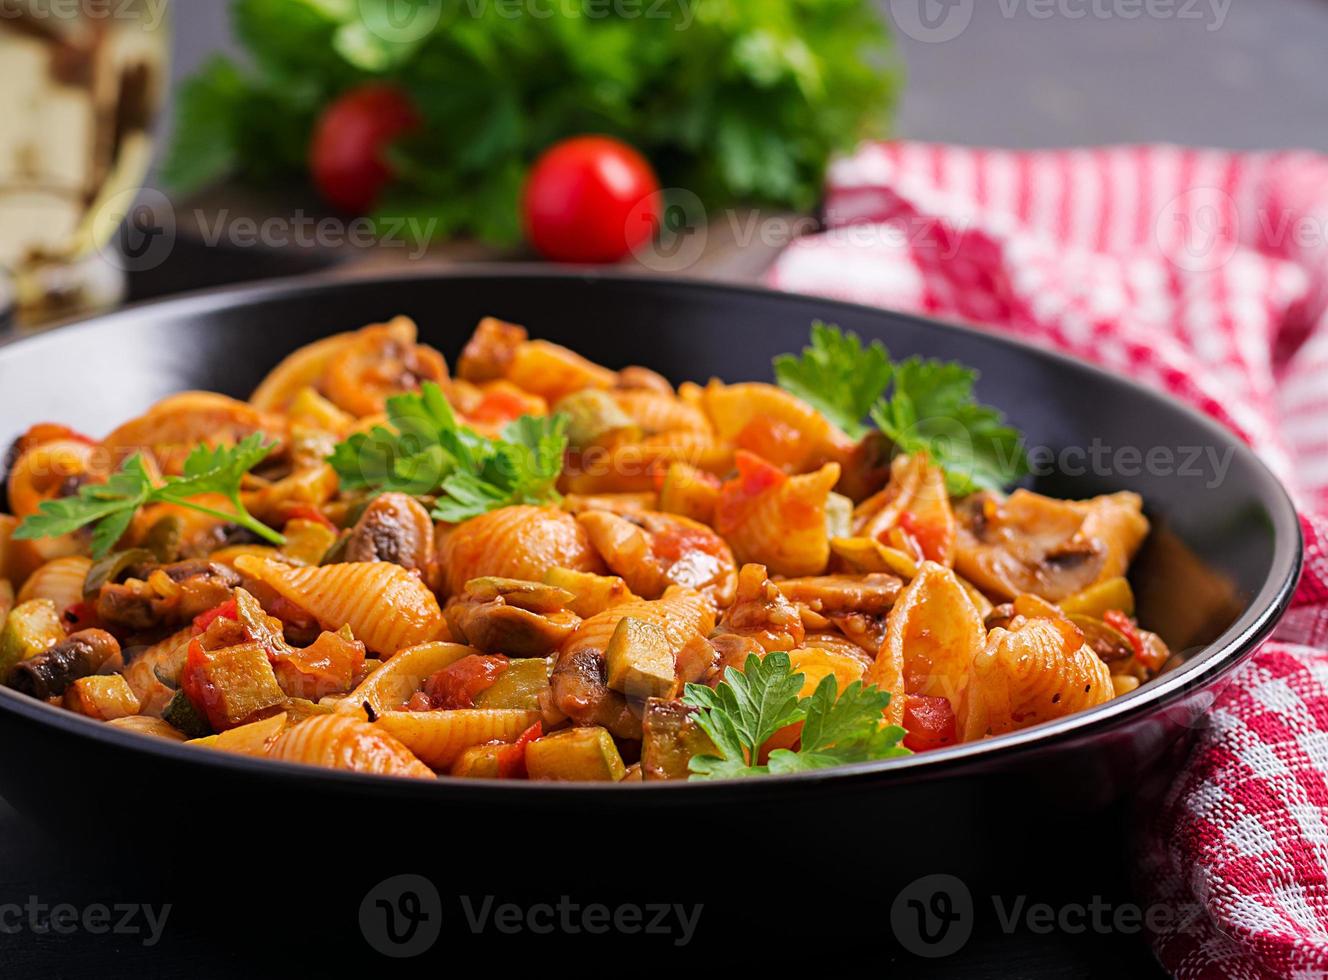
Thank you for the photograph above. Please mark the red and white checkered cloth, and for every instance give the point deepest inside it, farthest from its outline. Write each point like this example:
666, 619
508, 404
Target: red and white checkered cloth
1205, 274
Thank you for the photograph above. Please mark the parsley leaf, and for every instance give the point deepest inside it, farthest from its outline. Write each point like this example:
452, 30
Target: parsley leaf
837, 376
424, 450
110, 506
932, 410
920, 405
748, 707
841, 728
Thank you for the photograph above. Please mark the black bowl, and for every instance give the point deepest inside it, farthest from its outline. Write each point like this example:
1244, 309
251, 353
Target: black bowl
1218, 573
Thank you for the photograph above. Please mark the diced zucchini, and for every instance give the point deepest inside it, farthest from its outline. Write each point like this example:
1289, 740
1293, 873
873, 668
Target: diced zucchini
670, 737
31, 628
575, 755
6, 599
307, 541
838, 516
479, 762
689, 492
1114, 593
104, 697
593, 418
591, 594
242, 681
181, 715
519, 686
640, 661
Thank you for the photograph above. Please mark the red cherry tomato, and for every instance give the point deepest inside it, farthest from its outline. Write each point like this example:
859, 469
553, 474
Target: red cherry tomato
590, 199
347, 156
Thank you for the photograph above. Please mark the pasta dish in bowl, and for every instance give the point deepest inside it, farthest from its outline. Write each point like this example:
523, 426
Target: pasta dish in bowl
526, 565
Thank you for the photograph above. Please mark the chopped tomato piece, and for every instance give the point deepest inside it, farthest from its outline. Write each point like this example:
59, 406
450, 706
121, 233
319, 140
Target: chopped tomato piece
456, 685
738, 495
81, 616
1129, 629
512, 758
930, 538
929, 721
227, 610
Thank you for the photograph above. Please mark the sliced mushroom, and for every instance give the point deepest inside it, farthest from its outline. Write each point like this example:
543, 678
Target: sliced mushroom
395, 528
579, 689
48, 674
833, 595
167, 595
496, 626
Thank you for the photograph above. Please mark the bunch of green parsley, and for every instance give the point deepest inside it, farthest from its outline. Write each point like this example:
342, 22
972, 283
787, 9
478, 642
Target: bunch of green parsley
919, 405
731, 99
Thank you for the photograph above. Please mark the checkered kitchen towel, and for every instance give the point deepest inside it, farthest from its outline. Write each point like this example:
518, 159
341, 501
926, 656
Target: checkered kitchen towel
1205, 274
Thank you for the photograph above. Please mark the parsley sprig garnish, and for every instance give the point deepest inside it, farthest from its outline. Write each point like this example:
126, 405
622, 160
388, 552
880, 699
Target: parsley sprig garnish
110, 507
920, 405
425, 451
749, 706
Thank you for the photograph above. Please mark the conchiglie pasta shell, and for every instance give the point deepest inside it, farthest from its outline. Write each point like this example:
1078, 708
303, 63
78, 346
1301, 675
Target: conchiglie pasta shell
343, 742
918, 489
1031, 675
146, 670
170, 429
553, 372
817, 663
515, 542
392, 684
657, 412
633, 467
300, 369
254, 738
60, 580
732, 408
934, 632
438, 737
145, 725
681, 613
785, 527
386, 607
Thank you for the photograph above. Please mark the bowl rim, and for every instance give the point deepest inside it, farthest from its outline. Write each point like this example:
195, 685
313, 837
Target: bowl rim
1215, 659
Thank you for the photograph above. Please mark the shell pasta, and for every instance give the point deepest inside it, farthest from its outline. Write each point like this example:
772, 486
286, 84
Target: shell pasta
528, 566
